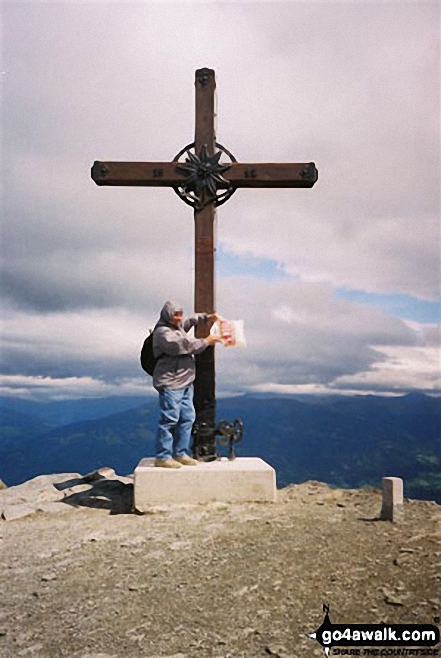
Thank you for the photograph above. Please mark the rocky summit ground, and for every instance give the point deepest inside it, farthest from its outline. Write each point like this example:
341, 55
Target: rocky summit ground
84, 577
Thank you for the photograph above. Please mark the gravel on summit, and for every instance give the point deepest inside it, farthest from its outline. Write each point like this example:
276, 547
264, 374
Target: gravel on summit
215, 580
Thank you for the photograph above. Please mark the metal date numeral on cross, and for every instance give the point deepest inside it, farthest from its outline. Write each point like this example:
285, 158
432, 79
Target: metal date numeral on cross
204, 174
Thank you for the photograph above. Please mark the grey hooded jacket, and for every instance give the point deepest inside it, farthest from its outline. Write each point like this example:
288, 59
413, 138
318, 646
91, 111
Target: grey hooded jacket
175, 367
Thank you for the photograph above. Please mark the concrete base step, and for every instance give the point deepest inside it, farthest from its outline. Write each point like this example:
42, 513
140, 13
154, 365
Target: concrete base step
244, 479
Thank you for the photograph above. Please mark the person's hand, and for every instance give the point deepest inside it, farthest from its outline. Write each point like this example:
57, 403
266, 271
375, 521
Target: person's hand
213, 317
212, 340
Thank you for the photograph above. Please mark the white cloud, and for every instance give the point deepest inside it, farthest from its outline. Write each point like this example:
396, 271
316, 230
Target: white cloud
353, 86
102, 344
67, 388
298, 334
405, 368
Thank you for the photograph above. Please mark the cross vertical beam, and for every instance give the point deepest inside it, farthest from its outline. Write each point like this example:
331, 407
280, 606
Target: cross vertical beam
204, 219
204, 301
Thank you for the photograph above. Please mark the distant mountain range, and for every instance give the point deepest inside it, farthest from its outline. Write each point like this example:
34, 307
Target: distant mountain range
344, 441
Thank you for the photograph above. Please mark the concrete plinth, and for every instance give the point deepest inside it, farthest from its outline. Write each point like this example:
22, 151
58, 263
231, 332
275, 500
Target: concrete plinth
244, 479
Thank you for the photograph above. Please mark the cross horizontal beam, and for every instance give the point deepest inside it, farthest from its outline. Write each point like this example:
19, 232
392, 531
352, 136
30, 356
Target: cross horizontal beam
269, 174
239, 174
145, 174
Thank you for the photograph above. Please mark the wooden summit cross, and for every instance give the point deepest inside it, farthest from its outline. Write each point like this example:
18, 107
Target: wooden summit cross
204, 182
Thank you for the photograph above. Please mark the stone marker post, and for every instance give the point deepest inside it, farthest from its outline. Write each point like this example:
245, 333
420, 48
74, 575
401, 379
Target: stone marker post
392, 508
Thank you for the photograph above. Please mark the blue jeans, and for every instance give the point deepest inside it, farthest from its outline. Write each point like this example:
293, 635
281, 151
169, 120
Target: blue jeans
176, 419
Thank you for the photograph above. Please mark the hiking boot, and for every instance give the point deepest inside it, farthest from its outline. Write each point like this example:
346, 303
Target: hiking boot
167, 463
185, 460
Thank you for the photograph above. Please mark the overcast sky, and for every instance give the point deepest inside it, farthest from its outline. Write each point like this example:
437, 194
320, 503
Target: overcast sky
338, 285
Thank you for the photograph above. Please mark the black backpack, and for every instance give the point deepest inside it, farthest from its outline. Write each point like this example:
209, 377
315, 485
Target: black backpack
148, 361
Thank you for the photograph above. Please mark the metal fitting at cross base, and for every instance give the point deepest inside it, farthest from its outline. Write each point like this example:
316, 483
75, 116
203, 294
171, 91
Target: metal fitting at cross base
204, 441
229, 434
205, 435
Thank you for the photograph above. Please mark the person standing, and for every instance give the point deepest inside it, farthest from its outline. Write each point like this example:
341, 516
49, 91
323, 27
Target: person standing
173, 378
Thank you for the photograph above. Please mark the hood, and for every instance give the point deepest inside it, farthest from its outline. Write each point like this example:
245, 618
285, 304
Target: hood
167, 311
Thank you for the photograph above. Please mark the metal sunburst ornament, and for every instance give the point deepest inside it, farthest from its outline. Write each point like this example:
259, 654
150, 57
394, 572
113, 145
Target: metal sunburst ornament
204, 183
